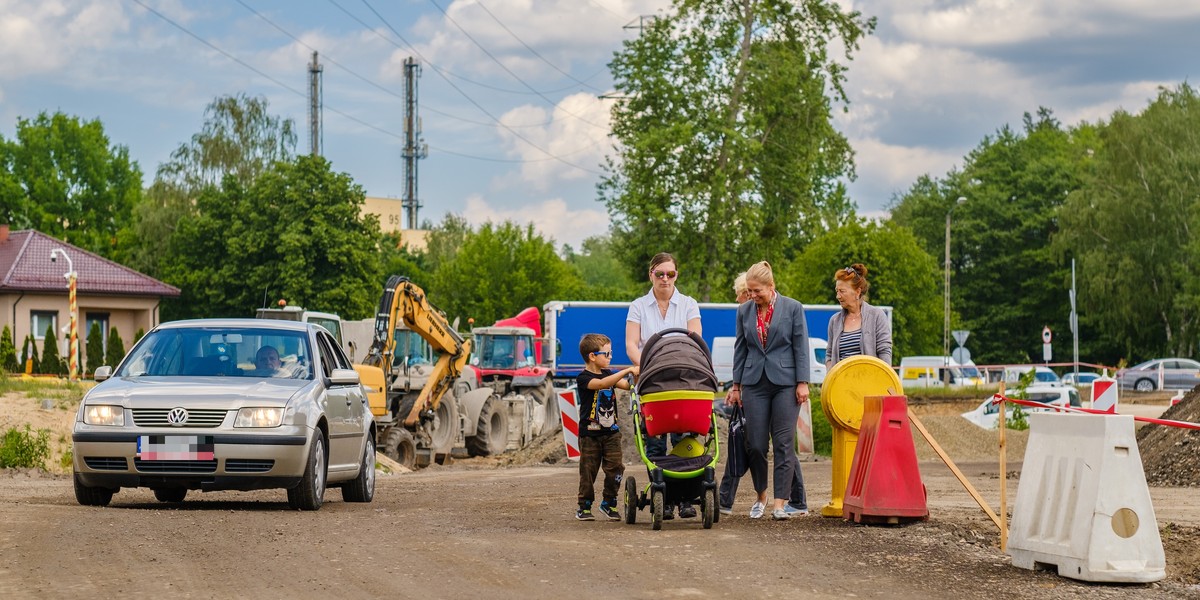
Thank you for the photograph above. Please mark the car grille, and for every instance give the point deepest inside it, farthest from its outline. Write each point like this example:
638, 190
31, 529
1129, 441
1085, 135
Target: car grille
175, 466
248, 465
157, 417
106, 463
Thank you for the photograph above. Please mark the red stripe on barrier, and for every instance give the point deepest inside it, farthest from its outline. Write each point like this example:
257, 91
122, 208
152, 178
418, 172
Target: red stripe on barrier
571, 424
1088, 411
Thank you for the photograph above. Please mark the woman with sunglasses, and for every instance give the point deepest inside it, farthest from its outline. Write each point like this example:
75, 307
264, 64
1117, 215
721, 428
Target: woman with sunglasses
664, 307
858, 328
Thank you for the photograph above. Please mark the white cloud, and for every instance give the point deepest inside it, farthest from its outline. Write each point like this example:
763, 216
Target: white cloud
552, 218
569, 147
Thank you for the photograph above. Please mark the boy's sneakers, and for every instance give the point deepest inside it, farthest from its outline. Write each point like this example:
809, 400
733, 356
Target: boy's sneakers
584, 513
610, 510
686, 510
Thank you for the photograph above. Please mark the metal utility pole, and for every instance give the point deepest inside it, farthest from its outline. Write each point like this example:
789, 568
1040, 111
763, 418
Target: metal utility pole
414, 145
314, 105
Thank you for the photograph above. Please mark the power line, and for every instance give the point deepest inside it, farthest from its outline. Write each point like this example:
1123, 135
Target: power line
476, 104
531, 50
506, 69
339, 112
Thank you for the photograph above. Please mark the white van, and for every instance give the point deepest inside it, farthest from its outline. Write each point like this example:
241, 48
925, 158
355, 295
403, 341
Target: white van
722, 357
927, 371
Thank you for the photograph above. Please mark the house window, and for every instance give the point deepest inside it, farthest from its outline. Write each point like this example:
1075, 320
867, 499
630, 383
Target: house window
102, 319
39, 320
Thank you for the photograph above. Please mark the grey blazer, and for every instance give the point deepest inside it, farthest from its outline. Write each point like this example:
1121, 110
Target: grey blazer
784, 360
876, 332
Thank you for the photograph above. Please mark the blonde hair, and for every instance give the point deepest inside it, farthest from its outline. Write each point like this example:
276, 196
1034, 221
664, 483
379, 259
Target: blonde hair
761, 272
739, 284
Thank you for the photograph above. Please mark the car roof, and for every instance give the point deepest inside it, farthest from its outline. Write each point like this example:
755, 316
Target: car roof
239, 324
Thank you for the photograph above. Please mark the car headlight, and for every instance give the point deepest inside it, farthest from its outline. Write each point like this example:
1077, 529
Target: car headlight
104, 414
259, 417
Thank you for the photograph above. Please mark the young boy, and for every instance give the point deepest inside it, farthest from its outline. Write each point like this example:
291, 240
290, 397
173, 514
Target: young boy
599, 435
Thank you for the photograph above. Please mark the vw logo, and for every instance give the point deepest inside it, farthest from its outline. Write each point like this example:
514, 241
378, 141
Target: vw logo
177, 417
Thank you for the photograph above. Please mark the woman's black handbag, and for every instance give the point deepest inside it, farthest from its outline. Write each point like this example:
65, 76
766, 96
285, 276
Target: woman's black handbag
738, 460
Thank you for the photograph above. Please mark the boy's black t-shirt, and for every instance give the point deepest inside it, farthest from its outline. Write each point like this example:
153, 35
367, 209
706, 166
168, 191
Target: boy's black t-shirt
597, 408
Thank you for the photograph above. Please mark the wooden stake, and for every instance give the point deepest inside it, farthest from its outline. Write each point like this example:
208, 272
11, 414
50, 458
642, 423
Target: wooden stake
1003, 474
953, 468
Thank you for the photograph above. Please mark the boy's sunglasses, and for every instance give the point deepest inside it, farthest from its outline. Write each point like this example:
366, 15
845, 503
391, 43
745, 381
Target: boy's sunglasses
666, 274
608, 354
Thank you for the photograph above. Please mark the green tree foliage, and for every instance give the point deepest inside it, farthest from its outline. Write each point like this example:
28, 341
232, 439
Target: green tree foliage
1129, 226
399, 259
1006, 280
29, 353
138, 335
498, 271
602, 273
901, 273
61, 176
51, 363
724, 134
116, 348
8, 351
94, 347
240, 138
296, 233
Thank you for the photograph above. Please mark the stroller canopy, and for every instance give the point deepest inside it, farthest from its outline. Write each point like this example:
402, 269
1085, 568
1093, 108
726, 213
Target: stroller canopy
676, 360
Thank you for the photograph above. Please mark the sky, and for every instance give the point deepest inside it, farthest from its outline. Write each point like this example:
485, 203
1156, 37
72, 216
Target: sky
510, 92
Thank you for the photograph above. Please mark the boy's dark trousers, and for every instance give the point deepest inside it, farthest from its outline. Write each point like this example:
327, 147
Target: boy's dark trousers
596, 452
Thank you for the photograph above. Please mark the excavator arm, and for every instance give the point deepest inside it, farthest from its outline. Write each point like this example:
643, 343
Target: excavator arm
404, 300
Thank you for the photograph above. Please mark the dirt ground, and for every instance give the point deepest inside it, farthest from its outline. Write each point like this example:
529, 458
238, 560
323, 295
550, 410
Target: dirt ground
504, 528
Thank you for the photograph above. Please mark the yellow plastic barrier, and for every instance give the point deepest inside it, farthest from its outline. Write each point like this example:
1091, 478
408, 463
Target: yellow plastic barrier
846, 384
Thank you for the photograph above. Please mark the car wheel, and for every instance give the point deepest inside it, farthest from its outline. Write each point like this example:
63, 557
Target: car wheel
170, 494
91, 496
1144, 385
311, 492
362, 489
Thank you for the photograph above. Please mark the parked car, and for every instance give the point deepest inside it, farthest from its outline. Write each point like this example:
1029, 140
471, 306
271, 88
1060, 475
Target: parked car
190, 408
1177, 374
987, 414
1041, 375
1084, 378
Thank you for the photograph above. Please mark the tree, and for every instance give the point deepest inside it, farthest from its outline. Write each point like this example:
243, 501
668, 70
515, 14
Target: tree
138, 335
603, 275
1130, 223
61, 176
1006, 280
726, 153
296, 233
239, 139
94, 347
29, 354
51, 363
500, 270
8, 351
116, 348
901, 273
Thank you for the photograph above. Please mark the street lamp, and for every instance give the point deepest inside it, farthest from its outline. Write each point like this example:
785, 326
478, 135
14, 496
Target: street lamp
73, 361
946, 297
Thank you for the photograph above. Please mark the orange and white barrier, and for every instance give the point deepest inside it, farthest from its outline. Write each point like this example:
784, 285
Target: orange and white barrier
569, 410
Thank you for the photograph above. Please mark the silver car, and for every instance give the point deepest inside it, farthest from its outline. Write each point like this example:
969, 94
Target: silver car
227, 404
1177, 374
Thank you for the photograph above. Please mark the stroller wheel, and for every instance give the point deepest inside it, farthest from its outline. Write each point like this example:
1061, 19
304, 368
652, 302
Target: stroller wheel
656, 509
631, 501
708, 506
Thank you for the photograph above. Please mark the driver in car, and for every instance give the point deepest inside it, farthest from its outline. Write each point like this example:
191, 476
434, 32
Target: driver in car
267, 363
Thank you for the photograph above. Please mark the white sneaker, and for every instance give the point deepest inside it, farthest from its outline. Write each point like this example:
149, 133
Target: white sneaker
757, 510
726, 510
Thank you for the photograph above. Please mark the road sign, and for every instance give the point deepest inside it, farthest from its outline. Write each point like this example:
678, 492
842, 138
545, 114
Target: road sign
1104, 394
961, 355
960, 336
1045, 352
1045, 335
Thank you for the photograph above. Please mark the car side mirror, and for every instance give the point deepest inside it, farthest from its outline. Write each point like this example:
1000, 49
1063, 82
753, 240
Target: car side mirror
344, 377
102, 373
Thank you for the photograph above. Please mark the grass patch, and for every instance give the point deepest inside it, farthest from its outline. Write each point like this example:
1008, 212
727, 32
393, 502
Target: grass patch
64, 394
24, 448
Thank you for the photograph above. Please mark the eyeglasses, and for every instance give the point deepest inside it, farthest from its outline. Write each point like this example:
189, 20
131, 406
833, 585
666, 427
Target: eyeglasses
666, 274
607, 353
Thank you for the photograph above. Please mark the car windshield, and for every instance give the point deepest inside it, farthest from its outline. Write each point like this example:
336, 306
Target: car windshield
220, 351
1046, 376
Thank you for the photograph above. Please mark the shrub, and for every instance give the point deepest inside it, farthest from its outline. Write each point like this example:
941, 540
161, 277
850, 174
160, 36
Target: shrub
95, 347
24, 448
51, 363
8, 351
116, 348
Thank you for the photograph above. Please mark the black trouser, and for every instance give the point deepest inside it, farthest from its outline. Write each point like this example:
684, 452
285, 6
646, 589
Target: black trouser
771, 413
596, 452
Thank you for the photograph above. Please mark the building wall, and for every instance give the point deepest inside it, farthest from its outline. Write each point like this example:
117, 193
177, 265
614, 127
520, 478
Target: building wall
389, 210
126, 313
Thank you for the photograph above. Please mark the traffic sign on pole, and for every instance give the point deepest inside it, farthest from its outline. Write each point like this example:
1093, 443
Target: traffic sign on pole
1046, 335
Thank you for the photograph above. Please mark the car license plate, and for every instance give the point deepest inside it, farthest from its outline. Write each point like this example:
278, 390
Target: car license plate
175, 447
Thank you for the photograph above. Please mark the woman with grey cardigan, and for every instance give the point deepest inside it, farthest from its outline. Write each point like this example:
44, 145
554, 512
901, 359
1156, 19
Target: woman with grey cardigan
859, 328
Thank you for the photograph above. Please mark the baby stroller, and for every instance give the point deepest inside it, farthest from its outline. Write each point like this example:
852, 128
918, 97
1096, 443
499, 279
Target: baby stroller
674, 394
